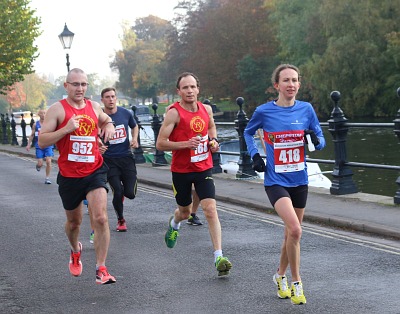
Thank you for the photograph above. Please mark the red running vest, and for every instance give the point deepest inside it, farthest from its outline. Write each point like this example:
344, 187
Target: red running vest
191, 124
79, 151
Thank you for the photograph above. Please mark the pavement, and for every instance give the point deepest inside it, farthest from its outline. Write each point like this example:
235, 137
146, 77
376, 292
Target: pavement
361, 212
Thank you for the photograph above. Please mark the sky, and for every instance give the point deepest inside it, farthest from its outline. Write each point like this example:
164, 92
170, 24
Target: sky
97, 26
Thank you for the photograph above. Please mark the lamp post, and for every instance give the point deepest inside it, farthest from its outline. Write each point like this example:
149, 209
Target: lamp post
66, 38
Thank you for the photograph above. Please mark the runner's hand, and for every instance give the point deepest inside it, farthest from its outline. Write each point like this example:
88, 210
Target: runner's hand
258, 163
314, 137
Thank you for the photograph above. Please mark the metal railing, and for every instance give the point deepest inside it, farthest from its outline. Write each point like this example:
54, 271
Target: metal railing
338, 126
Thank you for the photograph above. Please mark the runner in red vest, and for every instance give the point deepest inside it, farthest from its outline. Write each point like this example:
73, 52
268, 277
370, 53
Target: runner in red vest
189, 132
73, 124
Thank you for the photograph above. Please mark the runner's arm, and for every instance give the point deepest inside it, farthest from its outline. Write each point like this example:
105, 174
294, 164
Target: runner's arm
30, 139
135, 133
48, 134
163, 142
212, 130
105, 123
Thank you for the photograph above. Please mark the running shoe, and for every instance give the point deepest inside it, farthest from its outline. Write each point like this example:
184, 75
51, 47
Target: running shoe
91, 238
194, 220
121, 225
283, 288
223, 266
47, 181
85, 202
103, 277
297, 293
38, 168
171, 235
75, 264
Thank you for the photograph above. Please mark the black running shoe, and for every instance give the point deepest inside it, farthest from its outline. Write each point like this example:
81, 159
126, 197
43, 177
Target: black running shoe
194, 220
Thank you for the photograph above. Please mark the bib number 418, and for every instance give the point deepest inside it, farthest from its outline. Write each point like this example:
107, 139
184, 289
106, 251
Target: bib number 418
289, 156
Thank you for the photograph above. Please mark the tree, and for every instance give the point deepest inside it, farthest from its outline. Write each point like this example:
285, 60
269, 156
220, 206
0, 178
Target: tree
4, 105
140, 61
214, 39
16, 96
125, 62
36, 89
358, 59
299, 30
18, 30
255, 73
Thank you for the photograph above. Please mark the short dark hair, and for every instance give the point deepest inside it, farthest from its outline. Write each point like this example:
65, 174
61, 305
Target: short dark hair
280, 68
107, 89
184, 74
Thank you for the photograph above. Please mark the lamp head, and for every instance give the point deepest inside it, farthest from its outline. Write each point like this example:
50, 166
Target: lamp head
66, 37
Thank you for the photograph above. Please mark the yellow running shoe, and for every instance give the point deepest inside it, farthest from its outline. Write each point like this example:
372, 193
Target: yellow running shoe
283, 288
297, 293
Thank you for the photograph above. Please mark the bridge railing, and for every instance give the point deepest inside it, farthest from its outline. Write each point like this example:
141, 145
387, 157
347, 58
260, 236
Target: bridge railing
338, 126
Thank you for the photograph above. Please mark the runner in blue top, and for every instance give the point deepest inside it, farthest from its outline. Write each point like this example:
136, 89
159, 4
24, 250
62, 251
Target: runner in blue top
117, 153
285, 123
45, 153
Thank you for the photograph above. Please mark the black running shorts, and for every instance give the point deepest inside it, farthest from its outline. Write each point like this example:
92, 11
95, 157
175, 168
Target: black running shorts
182, 186
73, 190
297, 194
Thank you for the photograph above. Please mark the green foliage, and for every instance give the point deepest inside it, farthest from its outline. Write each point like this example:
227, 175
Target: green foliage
352, 56
233, 46
4, 106
256, 77
300, 31
18, 31
140, 62
36, 90
214, 37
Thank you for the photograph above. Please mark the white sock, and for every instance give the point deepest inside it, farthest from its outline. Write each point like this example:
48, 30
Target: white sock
175, 225
216, 254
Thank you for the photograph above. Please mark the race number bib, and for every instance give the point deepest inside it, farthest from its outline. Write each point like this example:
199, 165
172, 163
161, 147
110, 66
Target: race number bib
201, 152
288, 150
81, 148
119, 135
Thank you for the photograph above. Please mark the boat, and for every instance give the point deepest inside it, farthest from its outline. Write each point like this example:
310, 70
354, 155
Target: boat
229, 164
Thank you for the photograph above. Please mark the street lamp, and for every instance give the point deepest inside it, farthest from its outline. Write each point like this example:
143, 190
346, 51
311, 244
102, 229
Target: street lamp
66, 40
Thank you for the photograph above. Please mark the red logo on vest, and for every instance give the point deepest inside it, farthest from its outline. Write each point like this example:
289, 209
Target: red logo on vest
197, 124
86, 126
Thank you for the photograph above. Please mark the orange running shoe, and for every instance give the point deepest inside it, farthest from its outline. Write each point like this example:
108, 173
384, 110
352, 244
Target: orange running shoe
75, 264
103, 277
121, 225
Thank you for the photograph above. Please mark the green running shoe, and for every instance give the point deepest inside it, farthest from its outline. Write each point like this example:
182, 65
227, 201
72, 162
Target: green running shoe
91, 238
171, 235
223, 266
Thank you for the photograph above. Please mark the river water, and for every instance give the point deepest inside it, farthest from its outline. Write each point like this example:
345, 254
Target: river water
366, 145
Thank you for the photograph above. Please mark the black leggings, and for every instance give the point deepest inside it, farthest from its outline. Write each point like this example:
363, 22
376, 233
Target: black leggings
122, 178
127, 187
